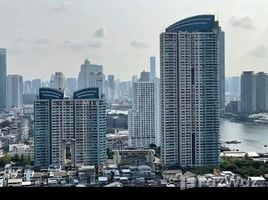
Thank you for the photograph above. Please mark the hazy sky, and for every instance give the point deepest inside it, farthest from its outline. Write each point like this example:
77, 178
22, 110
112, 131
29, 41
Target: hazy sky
44, 36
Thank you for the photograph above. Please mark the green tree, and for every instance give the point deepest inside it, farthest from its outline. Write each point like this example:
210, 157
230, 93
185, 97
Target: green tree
6, 159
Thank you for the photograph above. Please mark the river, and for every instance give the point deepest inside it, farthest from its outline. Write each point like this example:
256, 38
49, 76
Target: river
253, 137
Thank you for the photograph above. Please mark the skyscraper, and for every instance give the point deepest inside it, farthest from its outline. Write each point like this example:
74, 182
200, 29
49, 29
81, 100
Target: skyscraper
3, 74
14, 91
145, 76
70, 85
66, 126
91, 75
190, 89
248, 92
261, 92
111, 86
27, 87
142, 118
36, 84
152, 69
58, 81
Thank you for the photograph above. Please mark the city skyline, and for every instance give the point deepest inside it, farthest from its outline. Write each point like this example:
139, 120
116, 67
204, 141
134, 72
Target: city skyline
106, 42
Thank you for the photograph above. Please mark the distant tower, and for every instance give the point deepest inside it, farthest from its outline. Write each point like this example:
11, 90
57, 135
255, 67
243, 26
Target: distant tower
91, 75
14, 91
152, 69
3, 74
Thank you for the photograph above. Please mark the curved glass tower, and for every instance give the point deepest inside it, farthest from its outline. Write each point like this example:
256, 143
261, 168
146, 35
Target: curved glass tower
192, 69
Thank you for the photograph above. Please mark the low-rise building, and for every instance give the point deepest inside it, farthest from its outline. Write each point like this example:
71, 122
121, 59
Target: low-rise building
21, 149
87, 175
172, 175
134, 157
16, 182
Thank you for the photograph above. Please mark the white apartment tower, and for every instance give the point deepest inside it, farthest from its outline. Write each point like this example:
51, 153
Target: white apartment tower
190, 54
143, 119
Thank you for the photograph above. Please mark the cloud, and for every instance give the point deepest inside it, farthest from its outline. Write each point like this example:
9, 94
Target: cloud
138, 44
63, 7
42, 40
244, 22
100, 33
72, 45
259, 52
78, 46
95, 43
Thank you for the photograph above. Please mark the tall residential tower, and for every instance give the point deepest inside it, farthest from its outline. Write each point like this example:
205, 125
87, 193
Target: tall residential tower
191, 55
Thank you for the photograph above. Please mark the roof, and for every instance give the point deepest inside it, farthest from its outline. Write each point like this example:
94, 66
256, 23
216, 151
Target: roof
189, 174
199, 23
87, 167
234, 154
102, 179
125, 170
15, 180
26, 183
144, 167
253, 154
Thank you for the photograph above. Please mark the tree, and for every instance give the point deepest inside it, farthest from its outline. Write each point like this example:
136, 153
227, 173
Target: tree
5, 123
152, 146
6, 159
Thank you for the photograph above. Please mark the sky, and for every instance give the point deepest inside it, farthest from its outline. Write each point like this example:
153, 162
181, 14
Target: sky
45, 36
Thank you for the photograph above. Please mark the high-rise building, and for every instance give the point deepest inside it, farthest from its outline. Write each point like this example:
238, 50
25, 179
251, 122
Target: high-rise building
36, 84
152, 69
190, 90
57, 81
248, 92
145, 76
65, 126
27, 87
70, 86
142, 118
14, 91
111, 86
91, 75
235, 86
221, 55
261, 92
3, 74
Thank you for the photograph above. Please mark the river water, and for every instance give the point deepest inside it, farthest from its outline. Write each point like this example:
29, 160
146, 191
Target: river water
253, 137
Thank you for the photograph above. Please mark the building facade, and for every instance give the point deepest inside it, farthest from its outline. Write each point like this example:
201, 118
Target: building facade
91, 75
190, 92
14, 91
3, 74
152, 69
248, 92
143, 117
70, 130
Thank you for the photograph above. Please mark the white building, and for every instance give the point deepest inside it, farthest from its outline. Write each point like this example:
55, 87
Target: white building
142, 118
14, 91
57, 81
21, 149
191, 53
